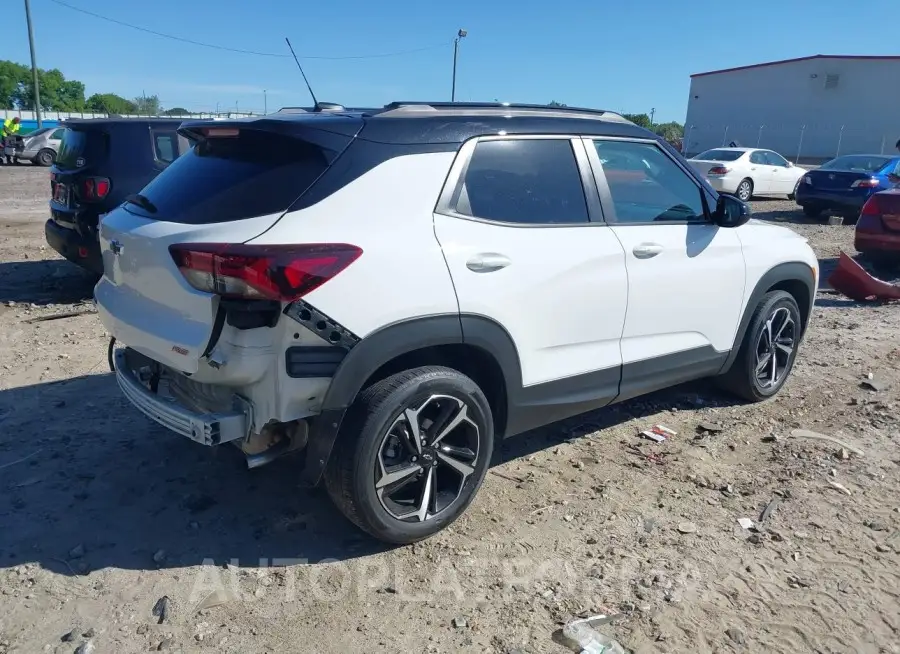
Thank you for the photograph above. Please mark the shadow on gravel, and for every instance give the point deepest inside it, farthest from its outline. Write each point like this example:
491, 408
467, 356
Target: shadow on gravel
87, 483
691, 396
51, 281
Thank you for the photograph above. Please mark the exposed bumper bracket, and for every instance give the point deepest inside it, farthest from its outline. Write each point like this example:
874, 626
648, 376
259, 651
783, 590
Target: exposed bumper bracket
204, 428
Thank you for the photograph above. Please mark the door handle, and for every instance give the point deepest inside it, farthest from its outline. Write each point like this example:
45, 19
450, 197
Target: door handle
488, 262
647, 250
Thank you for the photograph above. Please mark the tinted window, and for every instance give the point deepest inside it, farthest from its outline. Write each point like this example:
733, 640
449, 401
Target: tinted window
758, 158
84, 147
656, 191
720, 155
775, 159
231, 178
165, 146
58, 134
857, 163
526, 181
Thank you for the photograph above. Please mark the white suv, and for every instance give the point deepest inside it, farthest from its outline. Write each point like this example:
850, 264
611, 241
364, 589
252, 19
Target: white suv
390, 291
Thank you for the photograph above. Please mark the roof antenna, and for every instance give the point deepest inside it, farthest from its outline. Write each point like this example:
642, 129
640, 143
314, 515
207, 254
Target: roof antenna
309, 88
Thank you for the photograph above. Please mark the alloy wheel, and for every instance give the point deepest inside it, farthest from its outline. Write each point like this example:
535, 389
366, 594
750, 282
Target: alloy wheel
425, 458
744, 191
775, 348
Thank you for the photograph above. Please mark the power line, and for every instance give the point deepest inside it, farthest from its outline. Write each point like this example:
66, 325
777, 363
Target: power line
239, 50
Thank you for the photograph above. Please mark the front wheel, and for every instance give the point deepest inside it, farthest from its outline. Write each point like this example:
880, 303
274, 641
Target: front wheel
46, 157
745, 190
793, 194
412, 453
767, 353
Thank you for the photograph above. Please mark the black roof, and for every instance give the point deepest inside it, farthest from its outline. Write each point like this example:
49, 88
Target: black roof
440, 122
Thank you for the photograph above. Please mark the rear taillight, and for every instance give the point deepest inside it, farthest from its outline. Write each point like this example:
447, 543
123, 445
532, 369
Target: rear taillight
871, 182
882, 204
719, 170
263, 272
94, 188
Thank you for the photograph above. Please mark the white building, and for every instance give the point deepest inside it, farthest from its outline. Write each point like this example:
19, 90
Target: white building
811, 108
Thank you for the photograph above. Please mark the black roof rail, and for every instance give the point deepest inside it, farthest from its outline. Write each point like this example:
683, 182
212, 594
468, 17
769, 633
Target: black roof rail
500, 106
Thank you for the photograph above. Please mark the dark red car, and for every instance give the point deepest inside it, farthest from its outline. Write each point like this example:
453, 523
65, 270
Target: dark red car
878, 229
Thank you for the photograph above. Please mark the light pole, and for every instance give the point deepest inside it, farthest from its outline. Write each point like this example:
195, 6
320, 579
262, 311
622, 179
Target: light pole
34, 69
217, 108
652, 114
461, 34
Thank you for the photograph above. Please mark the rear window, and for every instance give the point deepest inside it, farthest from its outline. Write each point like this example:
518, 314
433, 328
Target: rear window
857, 163
82, 148
231, 178
720, 155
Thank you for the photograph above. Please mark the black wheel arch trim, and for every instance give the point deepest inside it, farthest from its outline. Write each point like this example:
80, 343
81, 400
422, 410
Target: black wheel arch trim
386, 344
793, 271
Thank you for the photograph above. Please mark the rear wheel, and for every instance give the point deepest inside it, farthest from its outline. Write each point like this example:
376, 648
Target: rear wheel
769, 349
46, 157
793, 194
412, 454
745, 190
811, 212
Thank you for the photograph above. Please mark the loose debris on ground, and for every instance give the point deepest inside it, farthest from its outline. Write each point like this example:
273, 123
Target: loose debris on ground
120, 537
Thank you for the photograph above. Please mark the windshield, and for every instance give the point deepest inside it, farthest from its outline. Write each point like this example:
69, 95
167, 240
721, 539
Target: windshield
857, 163
38, 132
720, 155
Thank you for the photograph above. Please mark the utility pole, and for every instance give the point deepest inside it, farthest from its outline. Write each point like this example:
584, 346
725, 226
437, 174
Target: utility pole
461, 34
652, 114
34, 68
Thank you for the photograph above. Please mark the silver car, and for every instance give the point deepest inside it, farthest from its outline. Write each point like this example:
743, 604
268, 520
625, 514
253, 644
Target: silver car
41, 145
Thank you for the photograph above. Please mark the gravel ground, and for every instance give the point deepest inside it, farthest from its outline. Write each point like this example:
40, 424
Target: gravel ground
103, 514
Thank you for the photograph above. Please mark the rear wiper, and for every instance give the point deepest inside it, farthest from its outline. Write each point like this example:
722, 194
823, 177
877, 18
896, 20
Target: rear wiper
142, 202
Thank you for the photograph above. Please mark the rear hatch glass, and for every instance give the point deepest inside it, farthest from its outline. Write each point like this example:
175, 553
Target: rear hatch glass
81, 148
227, 178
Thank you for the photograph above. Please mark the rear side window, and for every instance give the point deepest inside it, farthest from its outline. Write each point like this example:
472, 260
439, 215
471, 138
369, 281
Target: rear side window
58, 134
82, 148
523, 181
231, 178
165, 146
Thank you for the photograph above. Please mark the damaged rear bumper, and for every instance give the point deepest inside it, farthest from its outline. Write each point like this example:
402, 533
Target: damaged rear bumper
204, 428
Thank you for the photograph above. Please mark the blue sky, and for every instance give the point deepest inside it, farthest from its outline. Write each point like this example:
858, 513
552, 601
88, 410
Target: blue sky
624, 56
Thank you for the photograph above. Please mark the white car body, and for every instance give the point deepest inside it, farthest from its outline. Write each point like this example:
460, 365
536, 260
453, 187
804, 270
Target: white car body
574, 316
769, 172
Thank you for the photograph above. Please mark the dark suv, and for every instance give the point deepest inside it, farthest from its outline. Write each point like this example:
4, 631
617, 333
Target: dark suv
101, 162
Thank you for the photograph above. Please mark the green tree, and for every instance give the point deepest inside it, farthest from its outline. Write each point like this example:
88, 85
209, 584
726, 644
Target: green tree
176, 111
147, 105
671, 132
554, 103
641, 120
12, 77
110, 103
57, 93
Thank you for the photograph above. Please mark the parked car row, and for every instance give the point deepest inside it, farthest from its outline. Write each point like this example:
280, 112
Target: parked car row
253, 297
857, 187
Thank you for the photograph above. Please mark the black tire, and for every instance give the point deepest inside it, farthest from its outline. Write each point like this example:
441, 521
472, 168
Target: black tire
811, 212
744, 190
45, 157
350, 477
742, 378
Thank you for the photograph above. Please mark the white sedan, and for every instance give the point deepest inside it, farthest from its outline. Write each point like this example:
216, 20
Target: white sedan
746, 172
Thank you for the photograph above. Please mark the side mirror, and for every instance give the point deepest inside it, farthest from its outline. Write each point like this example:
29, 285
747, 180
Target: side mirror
731, 212
790, 165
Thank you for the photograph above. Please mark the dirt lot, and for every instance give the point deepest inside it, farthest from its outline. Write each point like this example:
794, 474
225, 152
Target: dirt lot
102, 513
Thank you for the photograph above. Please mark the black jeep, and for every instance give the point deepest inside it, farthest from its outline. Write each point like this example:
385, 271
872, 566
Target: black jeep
101, 161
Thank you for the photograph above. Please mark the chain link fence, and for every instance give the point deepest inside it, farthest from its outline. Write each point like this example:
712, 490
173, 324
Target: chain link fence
804, 143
